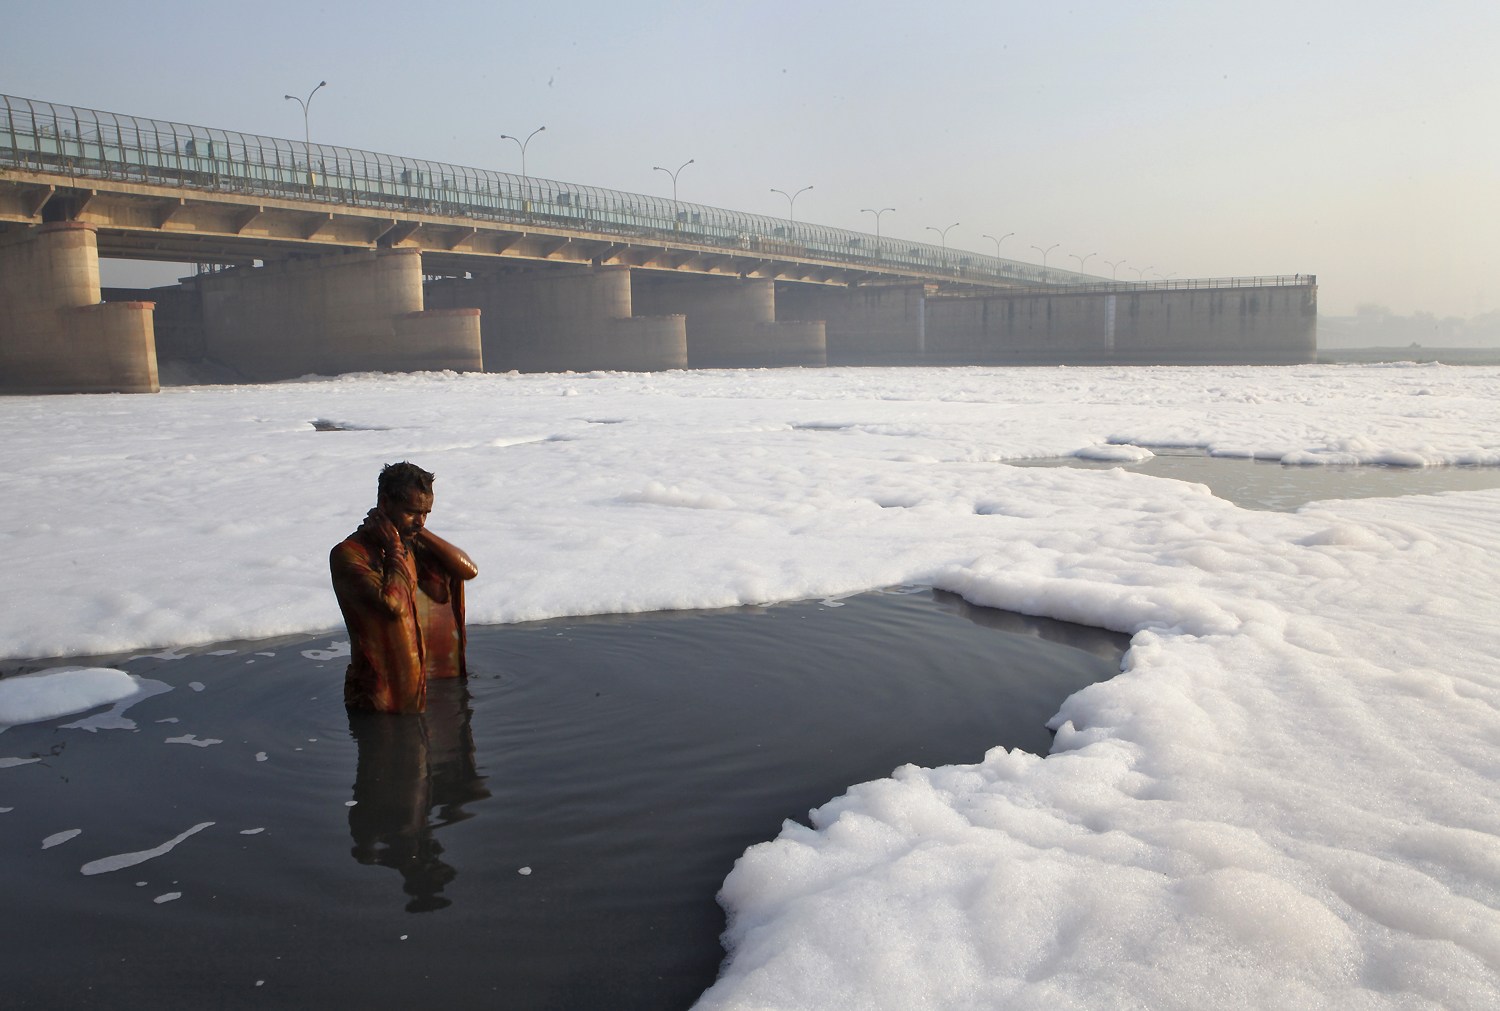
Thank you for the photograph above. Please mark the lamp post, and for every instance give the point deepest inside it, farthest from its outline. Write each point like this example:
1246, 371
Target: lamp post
871, 210
998, 241
1082, 259
942, 232
522, 145
677, 215
791, 201
312, 180
525, 179
658, 168
1114, 267
1044, 252
1140, 272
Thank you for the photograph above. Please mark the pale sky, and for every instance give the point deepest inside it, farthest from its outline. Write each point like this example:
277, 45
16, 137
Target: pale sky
1353, 140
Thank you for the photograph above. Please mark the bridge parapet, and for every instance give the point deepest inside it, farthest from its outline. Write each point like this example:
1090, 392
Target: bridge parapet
90, 144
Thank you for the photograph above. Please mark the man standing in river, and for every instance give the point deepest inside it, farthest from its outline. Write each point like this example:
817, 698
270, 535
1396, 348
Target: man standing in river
400, 587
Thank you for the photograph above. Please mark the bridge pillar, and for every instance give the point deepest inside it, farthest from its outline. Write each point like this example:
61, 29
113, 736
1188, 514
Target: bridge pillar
1237, 325
878, 324
354, 312
1033, 329
731, 322
55, 334
1271, 325
563, 319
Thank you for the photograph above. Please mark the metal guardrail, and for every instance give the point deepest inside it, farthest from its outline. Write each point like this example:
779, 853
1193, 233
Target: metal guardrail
87, 143
1170, 284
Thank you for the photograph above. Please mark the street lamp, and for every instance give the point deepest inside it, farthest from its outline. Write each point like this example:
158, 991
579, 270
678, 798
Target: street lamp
1082, 260
1114, 267
791, 200
1044, 252
943, 232
998, 241
522, 145
658, 168
1140, 272
307, 129
871, 210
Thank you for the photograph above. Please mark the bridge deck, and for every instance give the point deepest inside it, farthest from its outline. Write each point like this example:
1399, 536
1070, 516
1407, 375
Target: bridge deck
162, 190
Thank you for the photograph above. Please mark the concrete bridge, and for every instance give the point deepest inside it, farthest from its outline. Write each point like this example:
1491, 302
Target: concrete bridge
324, 259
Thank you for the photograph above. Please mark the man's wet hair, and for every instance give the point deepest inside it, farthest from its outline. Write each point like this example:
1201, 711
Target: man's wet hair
396, 479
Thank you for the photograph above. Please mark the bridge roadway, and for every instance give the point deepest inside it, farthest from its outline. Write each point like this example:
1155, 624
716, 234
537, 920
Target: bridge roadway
415, 252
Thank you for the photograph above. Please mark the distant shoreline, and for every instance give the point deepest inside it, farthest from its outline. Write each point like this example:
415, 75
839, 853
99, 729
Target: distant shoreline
1447, 356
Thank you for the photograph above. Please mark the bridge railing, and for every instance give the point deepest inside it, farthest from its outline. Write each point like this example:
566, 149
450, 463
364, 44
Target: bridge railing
1171, 284
87, 143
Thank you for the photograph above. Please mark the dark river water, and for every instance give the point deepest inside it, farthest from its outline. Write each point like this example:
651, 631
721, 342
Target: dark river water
1263, 484
551, 835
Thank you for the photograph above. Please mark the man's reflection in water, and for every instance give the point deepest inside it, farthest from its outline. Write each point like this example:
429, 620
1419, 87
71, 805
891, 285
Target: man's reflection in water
414, 773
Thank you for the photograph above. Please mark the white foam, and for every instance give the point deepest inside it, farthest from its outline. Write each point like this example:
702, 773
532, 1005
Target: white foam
114, 718
105, 865
45, 695
1116, 454
1287, 799
333, 652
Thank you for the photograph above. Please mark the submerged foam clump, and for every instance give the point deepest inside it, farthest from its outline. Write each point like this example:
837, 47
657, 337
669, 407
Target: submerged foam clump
30, 698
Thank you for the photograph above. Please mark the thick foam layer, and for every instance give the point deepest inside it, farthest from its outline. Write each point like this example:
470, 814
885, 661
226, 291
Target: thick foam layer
1284, 800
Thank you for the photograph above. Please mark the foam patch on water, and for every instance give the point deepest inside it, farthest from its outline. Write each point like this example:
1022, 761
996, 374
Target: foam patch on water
194, 740
120, 861
58, 838
115, 718
171, 653
46, 695
1115, 454
333, 652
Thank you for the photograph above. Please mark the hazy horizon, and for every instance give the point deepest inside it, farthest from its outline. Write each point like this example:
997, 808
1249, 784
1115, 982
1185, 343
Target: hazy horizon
1159, 140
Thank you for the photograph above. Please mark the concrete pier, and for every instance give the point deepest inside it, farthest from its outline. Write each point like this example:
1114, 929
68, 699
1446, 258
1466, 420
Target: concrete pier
55, 334
731, 322
881, 324
566, 319
1022, 330
1240, 325
359, 312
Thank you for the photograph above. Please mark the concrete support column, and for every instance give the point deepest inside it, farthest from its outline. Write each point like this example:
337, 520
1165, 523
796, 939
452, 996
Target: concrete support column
731, 322
357, 312
1020, 329
55, 334
1218, 326
562, 319
870, 325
